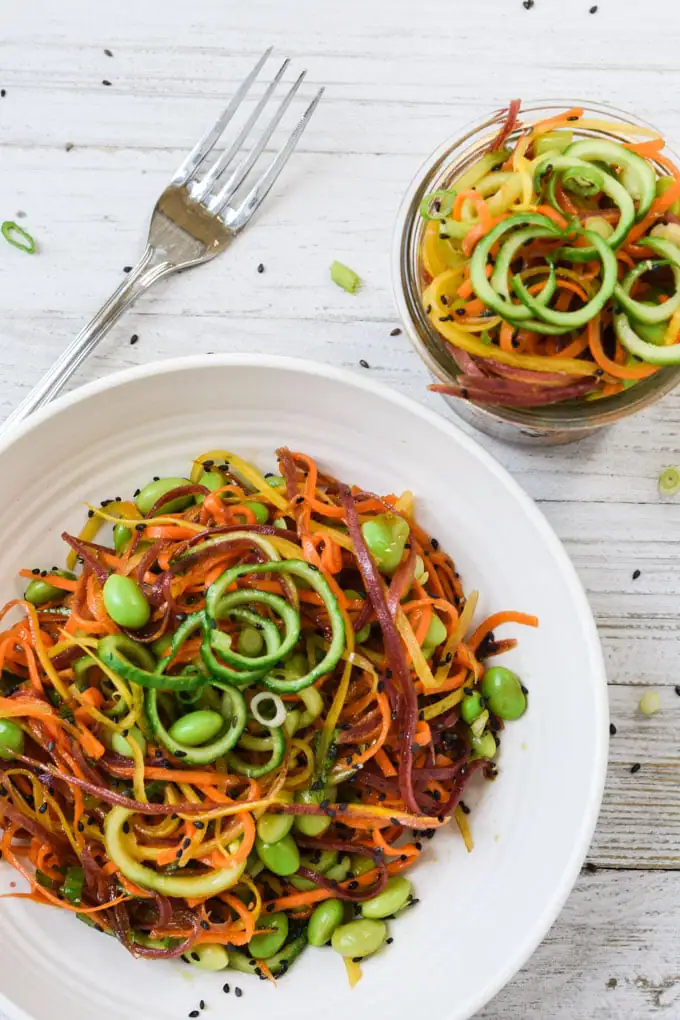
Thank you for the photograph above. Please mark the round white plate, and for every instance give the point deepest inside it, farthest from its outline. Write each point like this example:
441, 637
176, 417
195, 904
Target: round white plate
480, 915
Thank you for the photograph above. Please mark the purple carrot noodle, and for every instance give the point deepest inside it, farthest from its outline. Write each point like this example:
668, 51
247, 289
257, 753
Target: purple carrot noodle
88, 556
178, 493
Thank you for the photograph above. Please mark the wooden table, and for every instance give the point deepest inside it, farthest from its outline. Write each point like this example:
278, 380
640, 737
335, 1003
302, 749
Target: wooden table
82, 160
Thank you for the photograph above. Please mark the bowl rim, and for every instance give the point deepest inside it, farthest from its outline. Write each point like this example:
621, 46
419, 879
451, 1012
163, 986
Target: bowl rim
524, 950
507, 419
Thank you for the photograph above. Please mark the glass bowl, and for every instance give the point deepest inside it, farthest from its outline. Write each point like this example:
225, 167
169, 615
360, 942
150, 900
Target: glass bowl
546, 425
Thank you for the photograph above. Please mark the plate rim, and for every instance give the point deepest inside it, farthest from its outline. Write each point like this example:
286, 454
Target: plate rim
526, 948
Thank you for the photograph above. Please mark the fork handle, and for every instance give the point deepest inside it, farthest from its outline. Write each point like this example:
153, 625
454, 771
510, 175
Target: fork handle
150, 268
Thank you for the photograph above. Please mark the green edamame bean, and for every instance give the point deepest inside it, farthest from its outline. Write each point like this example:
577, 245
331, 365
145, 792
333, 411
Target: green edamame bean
259, 509
386, 536
393, 897
359, 938
313, 825
324, 920
152, 492
320, 863
208, 957
471, 707
125, 602
212, 480
196, 728
39, 592
340, 871
121, 537
11, 739
161, 645
264, 946
503, 691
282, 858
273, 827
250, 642
483, 746
436, 634
276, 481
361, 865
121, 744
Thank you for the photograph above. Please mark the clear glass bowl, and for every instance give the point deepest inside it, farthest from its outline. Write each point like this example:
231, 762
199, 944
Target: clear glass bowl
554, 424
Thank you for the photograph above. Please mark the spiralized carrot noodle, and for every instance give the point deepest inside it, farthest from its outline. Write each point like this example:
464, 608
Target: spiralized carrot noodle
243, 705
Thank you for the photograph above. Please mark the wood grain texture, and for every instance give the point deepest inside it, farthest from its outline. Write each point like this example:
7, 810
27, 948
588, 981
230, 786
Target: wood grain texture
401, 77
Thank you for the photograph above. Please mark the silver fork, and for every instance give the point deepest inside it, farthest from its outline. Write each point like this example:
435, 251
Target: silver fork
196, 217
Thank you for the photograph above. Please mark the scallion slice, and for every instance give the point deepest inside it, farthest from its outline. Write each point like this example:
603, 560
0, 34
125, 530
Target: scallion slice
345, 277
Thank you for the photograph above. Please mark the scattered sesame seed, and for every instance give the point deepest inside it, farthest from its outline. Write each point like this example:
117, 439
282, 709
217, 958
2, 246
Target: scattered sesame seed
42, 809
90, 513
260, 268
194, 1013
612, 729
364, 363
68, 146
178, 854
205, 926
134, 338
105, 81
238, 992
187, 843
353, 884
108, 53
199, 825
635, 768
395, 332
593, 9
527, 4
226, 989
127, 269
389, 941
3, 93
201, 1004
418, 846
636, 574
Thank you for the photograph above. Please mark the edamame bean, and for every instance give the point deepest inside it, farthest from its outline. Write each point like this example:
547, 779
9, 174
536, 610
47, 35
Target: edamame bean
323, 922
250, 642
208, 957
196, 728
321, 863
11, 739
282, 858
436, 634
259, 509
121, 537
212, 480
264, 946
313, 825
503, 691
386, 536
152, 492
393, 897
340, 871
125, 602
471, 707
272, 827
276, 481
359, 938
484, 746
361, 865
121, 745
39, 592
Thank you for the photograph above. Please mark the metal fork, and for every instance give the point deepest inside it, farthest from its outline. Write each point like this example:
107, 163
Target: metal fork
197, 216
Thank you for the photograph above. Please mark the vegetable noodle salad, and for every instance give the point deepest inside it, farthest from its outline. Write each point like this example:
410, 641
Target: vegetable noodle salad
227, 736
552, 266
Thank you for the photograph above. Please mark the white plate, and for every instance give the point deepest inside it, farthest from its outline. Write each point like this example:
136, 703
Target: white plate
480, 915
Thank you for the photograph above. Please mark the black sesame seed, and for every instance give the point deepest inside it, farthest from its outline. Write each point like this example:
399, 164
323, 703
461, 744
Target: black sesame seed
194, 1012
636, 767
324, 804
270, 907
108, 53
382, 796
612, 729
199, 825
434, 543
464, 394
389, 941
35, 570
226, 989
636, 574
364, 363
353, 884
677, 689
178, 854
81, 827
134, 338
201, 1004
428, 309
195, 957
42, 809
238, 992
356, 959
180, 754
105, 81
590, 868
395, 332
260, 268
205, 926
3, 93
418, 846
593, 9
43, 573
381, 686
127, 269
527, 4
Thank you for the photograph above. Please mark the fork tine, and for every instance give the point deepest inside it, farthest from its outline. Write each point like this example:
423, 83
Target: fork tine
259, 192
204, 187
190, 164
237, 177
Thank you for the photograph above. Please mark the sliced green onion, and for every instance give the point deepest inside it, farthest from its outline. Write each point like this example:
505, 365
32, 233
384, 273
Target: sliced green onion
10, 229
669, 481
650, 703
345, 277
72, 889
